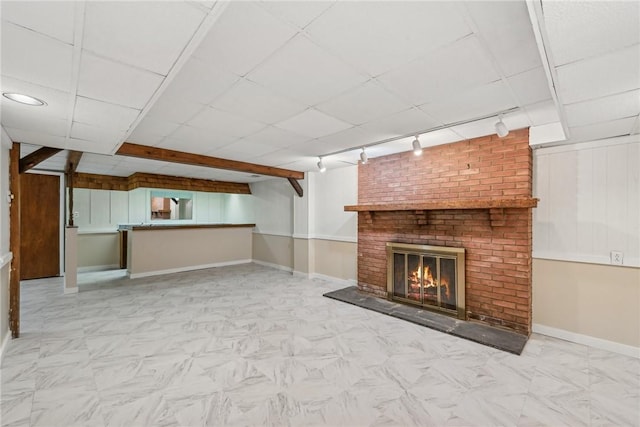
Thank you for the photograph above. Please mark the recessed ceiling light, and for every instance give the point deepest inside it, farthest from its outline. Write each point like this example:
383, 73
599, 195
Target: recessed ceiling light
24, 99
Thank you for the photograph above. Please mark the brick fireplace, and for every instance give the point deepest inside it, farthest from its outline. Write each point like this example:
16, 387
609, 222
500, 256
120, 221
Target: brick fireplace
474, 194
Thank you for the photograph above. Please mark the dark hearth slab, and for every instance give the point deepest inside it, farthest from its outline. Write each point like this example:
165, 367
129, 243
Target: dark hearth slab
483, 334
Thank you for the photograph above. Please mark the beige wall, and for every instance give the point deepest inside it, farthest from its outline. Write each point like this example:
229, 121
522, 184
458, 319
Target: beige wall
98, 250
273, 249
596, 300
152, 251
335, 259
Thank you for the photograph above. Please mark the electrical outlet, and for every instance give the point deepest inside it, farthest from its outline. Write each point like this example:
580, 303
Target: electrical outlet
617, 257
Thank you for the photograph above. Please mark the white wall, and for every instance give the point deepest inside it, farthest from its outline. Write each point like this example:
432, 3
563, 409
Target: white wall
331, 191
589, 201
5, 256
273, 207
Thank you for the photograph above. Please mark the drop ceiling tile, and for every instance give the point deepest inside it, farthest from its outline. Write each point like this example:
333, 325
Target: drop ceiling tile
174, 109
542, 113
405, 122
364, 103
300, 13
379, 36
243, 151
195, 140
313, 123
579, 30
94, 133
438, 137
254, 34
116, 83
477, 102
348, 138
252, 100
279, 157
103, 114
193, 145
150, 35
476, 129
601, 76
57, 101
453, 69
88, 146
200, 82
276, 137
506, 28
154, 126
144, 138
20, 118
302, 165
531, 86
313, 148
602, 130
604, 109
35, 138
54, 19
50, 67
225, 123
305, 72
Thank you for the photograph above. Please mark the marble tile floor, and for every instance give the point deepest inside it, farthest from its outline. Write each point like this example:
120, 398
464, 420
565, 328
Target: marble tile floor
250, 345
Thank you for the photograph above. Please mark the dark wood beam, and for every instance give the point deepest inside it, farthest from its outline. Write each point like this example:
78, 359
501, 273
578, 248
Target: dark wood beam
296, 186
73, 159
14, 240
40, 155
165, 155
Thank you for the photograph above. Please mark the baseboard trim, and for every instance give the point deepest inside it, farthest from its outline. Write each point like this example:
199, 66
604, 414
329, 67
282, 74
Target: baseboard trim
272, 265
92, 268
4, 344
188, 268
345, 282
590, 341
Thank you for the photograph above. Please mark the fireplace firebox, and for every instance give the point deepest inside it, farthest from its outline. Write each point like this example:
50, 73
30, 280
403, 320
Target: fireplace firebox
429, 276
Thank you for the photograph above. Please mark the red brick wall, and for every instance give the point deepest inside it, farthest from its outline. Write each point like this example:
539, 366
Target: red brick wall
498, 257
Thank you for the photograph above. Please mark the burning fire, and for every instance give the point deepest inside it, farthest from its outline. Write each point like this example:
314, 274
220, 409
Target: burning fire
429, 280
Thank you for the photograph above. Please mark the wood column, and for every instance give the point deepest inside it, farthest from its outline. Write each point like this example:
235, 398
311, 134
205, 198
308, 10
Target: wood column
14, 241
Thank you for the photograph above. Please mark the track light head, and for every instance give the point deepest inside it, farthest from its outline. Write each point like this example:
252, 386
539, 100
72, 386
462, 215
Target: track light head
501, 128
363, 157
417, 148
321, 167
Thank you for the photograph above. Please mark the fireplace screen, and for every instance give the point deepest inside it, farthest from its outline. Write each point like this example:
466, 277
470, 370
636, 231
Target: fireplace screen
431, 276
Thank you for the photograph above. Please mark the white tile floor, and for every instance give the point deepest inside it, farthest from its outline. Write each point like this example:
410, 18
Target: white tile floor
249, 345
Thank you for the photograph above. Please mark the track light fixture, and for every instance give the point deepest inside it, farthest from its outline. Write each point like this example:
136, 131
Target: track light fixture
417, 148
321, 166
501, 128
363, 157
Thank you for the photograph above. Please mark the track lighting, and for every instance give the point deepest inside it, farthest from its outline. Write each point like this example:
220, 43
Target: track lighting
321, 166
501, 128
363, 157
417, 148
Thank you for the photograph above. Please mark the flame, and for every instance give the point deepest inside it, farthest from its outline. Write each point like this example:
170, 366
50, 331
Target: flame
429, 281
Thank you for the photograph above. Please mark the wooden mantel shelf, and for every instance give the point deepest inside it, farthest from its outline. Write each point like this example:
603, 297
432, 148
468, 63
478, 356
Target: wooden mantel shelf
519, 202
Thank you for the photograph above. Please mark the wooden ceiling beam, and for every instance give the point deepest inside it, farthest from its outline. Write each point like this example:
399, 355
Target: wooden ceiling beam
40, 155
73, 160
165, 155
296, 186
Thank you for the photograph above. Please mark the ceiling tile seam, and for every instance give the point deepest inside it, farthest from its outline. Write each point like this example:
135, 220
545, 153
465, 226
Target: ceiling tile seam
595, 56
604, 121
38, 32
203, 29
610, 95
78, 37
272, 54
536, 16
636, 127
489, 54
119, 62
283, 19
